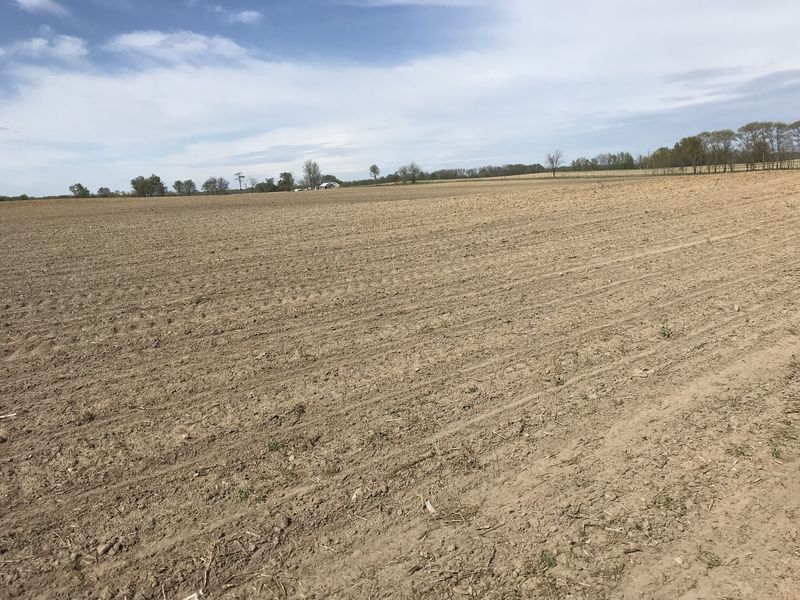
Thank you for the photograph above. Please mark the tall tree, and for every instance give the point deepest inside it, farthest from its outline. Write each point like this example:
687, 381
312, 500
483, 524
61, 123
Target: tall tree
178, 187
157, 186
724, 142
375, 171
755, 141
240, 177
709, 155
148, 186
79, 190
312, 174
691, 151
104, 192
765, 144
215, 185
554, 160
748, 139
402, 173
210, 185
414, 171
794, 140
663, 158
780, 141
189, 187
286, 182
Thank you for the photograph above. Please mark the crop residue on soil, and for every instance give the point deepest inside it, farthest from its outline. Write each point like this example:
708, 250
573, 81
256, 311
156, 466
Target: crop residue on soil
511, 389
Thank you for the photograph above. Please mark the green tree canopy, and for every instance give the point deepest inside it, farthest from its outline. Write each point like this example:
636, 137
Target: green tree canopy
286, 182
79, 190
148, 186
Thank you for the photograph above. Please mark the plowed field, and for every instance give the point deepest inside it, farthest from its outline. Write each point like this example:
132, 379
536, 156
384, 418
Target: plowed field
513, 389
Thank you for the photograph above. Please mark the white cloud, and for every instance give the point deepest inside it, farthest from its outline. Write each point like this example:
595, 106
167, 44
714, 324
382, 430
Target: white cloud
43, 6
247, 17
177, 47
64, 48
204, 105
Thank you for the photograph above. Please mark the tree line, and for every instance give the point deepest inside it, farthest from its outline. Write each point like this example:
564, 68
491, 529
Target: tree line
142, 186
412, 173
760, 144
756, 145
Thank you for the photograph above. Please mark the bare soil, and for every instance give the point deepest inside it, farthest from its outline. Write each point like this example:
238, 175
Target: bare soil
518, 389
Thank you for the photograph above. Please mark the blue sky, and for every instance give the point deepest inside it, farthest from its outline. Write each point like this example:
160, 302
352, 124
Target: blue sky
316, 30
99, 91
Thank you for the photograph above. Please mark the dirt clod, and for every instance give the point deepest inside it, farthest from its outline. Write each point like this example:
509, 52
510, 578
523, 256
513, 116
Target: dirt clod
103, 549
283, 521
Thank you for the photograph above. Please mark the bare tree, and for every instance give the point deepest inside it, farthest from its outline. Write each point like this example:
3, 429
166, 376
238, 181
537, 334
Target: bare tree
240, 177
723, 143
312, 174
554, 160
215, 185
748, 139
713, 146
794, 138
375, 171
780, 140
414, 171
403, 172
707, 140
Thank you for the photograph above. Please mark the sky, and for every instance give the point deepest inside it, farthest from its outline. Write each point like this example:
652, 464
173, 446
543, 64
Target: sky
100, 91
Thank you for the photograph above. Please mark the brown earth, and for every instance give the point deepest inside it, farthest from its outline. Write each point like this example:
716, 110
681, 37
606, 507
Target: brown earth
517, 389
